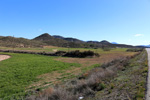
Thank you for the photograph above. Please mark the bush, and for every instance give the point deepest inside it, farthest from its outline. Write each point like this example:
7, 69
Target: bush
60, 53
134, 50
56, 94
79, 54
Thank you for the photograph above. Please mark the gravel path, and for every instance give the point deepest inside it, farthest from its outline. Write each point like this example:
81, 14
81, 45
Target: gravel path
3, 57
148, 79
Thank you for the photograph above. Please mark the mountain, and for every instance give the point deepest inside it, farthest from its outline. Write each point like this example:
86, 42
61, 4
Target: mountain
70, 39
94, 42
74, 40
97, 42
114, 43
57, 36
101, 44
43, 37
50, 40
123, 46
105, 42
144, 46
60, 41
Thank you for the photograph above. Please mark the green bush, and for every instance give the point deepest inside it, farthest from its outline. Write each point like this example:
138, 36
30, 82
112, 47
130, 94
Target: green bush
79, 54
135, 50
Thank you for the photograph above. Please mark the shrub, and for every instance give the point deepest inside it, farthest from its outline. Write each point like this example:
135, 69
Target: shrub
135, 50
56, 94
62, 94
60, 53
79, 54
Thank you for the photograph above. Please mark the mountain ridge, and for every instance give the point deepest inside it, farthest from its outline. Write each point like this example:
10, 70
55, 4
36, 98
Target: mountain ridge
60, 41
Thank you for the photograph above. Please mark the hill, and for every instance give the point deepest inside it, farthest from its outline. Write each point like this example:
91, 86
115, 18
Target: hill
56, 41
101, 44
60, 41
70, 42
19, 42
70, 39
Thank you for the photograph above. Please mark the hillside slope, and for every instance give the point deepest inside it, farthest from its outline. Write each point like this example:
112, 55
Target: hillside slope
50, 40
19, 42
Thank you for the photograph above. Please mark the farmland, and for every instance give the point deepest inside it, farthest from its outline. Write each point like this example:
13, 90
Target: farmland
20, 70
24, 72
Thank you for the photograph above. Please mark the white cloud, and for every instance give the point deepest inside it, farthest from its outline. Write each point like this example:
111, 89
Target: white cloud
138, 35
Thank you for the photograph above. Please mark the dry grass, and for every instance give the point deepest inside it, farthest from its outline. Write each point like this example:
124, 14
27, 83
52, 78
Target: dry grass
93, 81
88, 85
53, 78
104, 58
128, 84
50, 46
49, 79
44, 80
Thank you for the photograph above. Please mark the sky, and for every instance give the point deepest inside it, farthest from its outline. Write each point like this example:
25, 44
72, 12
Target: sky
121, 21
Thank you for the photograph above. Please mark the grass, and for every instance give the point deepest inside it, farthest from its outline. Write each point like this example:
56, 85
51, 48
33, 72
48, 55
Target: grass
21, 70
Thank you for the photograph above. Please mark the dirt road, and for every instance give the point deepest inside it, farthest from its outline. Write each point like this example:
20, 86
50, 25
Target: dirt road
148, 79
3, 57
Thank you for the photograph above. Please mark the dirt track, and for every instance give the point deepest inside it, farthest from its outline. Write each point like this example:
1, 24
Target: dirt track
3, 57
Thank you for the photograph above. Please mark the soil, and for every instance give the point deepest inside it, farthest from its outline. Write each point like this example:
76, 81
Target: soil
3, 57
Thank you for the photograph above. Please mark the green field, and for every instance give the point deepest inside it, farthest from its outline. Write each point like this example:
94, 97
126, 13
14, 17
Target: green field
21, 70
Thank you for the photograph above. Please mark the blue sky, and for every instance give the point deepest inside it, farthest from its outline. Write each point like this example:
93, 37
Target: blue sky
122, 21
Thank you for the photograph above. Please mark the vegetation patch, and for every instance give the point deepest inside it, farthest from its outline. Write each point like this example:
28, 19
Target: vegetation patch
79, 54
129, 83
21, 70
135, 50
87, 84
